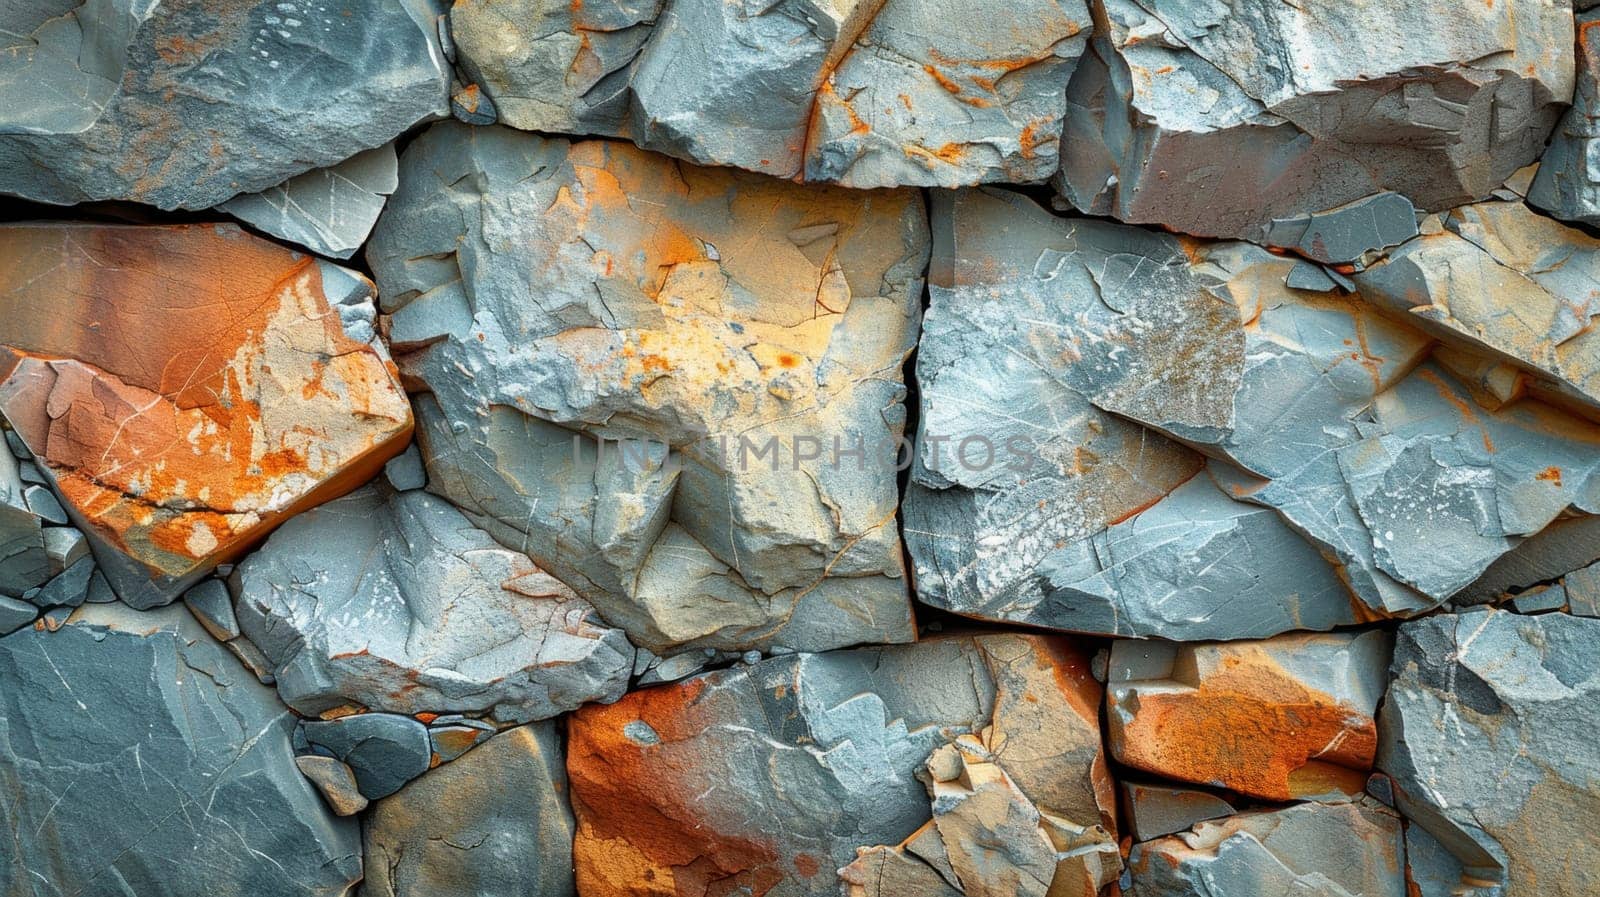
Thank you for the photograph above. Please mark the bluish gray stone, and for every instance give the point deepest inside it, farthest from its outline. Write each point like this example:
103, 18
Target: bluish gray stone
15, 614
1488, 733
69, 588
1330, 850
185, 104
1351, 233
25, 562
1216, 118
384, 750
1568, 183
494, 823
213, 607
137, 757
395, 601
329, 211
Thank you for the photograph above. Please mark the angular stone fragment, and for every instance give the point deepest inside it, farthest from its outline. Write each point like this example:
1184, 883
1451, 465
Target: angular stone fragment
383, 750
1286, 718
1033, 499
494, 823
998, 844
187, 388
329, 211
768, 777
1156, 810
1487, 732
24, 560
136, 757
719, 331
185, 104
213, 607
865, 93
1330, 850
450, 741
335, 780
1216, 118
1568, 183
15, 614
889, 871
554, 65
395, 601
1503, 280
1349, 234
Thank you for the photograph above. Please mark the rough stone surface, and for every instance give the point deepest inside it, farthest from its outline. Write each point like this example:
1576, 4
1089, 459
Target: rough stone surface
383, 750
1486, 732
335, 780
768, 777
1043, 337
866, 93
183, 104
187, 388
1568, 183
1286, 718
329, 211
1156, 810
1509, 283
725, 327
1216, 118
1330, 850
494, 823
170, 774
397, 602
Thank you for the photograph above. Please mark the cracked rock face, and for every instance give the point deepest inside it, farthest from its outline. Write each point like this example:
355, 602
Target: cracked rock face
986, 839
1215, 118
720, 332
1282, 719
185, 389
1486, 732
188, 759
1511, 285
1394, 484
494, 823
1331, 850
1568, 183
864, 93
768, 777
329, 211
396, 602
1033, 496
183, 103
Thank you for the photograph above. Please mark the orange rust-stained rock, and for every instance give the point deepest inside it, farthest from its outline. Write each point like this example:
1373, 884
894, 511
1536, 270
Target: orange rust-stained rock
768, 777
187, 388
1286, 718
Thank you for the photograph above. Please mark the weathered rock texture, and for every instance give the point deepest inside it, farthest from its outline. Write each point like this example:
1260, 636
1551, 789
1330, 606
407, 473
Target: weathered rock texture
494, 823
768, 777
1332, 850
330, 211
185, 389
737, 335
396, 602
866, 93
1568, 183
183, 104
1037, 497
1291, 717
1487, 731
137, 757
1216, 118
